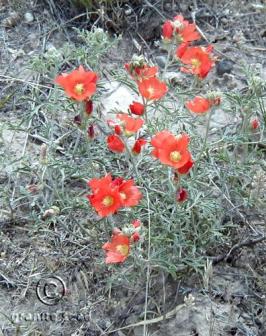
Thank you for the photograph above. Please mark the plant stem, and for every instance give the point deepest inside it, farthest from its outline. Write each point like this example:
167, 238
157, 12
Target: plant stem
130, 156
205, 138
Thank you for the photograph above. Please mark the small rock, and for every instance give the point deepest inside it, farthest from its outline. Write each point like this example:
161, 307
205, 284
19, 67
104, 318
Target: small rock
28, 17
128, 11
161, 61
224, 66
224, 20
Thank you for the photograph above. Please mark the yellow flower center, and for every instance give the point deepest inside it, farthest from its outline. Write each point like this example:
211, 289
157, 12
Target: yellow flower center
175, 156
179, 38
123, 196
128, 133
79, 89
108, 201
150, 90
195, 63
122, 249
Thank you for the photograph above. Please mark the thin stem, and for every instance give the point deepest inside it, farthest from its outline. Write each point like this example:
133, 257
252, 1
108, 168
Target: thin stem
130, 156
205, 138
148, 263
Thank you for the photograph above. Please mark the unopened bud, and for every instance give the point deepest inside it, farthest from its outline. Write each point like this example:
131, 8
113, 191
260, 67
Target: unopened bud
52, 212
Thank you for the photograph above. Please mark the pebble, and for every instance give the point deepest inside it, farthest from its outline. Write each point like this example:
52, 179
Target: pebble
161, 61
28, 17
128, 11
224, 66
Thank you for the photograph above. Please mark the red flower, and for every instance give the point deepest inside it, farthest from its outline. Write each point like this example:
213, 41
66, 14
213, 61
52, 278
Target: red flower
115, 144
109, 195
168, 30
137, 108
105, 200
130, 194
198, 60
181, 29
131, 125
171, 150
79, 84
181, 195
88, 107
152, 88
146, 72
181, 49
255, 123
201, 105
138, 145
186, 167
118, 249
96, 183
185, 31
198, 105
141, 72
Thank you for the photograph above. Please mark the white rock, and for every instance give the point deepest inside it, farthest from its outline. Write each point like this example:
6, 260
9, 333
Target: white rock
28, 17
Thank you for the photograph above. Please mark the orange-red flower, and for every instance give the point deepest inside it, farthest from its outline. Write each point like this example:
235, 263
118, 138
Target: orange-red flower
152, 88
115, 144
202, 105
131, 125
105, 200
118, 249
167, 30
136, 149
109, 195
198, 60
181, 49
79, 84
170, 150
185, 31
180, 29
198, 105
186, 167
141, 72
255, 123
130, 194
181, 195
95, 183
137, 108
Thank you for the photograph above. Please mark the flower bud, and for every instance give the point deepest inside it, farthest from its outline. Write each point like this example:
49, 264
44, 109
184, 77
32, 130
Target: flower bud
254, 123
181, 195
88, 107
137, 108
77, 120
